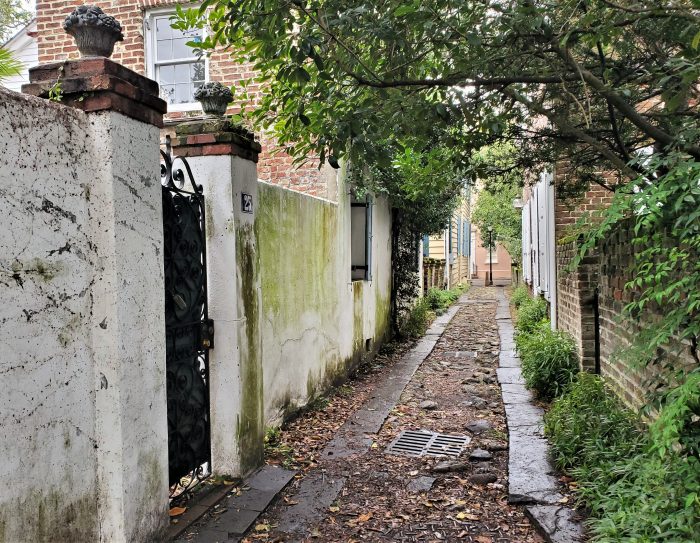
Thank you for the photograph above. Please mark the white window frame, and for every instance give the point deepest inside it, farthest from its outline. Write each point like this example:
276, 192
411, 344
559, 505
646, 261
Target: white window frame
368, 204
149, 33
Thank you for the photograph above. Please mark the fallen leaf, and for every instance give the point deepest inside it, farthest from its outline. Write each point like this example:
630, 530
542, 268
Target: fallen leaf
334, 508
364, 517
177, 511
262, 527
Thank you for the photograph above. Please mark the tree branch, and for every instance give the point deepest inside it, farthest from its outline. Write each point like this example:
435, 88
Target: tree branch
580, 135
624, 107
462, 80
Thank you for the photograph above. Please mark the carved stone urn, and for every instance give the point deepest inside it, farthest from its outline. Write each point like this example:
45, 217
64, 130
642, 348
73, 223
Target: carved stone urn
94, 31
214, 98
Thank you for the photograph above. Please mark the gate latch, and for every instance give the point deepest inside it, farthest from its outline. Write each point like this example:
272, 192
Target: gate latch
207, 334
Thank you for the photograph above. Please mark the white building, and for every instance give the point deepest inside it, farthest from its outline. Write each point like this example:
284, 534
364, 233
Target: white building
24, 48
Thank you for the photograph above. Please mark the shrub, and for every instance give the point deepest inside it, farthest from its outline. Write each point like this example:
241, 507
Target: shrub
439, 300
416, 323
588, 424
519, 296
549, 360
639, 486
530, 314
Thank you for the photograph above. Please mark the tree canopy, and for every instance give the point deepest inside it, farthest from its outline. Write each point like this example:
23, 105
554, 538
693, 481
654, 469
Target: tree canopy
13, 16
592, 81
591, 85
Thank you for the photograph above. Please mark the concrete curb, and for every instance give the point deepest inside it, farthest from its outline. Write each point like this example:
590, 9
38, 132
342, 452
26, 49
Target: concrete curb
531, 477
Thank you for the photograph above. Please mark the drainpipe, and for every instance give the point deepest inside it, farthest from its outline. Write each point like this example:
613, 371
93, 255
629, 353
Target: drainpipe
596, 329
552, 249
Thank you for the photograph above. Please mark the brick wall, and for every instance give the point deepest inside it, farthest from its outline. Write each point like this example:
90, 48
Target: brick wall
567, 213
609, 267
575, 301
55, 45
616, 261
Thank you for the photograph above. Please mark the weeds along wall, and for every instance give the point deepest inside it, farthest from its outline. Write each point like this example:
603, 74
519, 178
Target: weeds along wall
317, 323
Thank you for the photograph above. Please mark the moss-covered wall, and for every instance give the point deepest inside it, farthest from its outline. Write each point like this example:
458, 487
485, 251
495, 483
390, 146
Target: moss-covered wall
315, 320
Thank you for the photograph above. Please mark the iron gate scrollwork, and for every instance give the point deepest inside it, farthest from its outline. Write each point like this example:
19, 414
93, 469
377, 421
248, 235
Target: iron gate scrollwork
188, 329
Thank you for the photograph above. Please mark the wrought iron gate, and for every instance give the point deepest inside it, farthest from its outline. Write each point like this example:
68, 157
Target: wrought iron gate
188, 330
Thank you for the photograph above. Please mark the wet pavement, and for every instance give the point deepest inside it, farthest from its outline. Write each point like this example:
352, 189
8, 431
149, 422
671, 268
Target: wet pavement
447, 384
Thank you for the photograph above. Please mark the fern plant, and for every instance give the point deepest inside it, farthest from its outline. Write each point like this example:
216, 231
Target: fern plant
9, 66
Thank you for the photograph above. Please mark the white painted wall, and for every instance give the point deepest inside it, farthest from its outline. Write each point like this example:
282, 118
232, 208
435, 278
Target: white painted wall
82, 406
234, 364
25, 49
539, 242
315, 319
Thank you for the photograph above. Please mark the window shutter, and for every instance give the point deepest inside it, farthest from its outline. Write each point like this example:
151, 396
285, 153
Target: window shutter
469, 238
459, 236
368, 242
426, 246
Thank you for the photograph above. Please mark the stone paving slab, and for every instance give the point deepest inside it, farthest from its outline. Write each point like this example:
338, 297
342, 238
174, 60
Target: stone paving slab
514, 393
557, 524
238, 513
531, 478
510, 376
523, 414
316, 493
508, 359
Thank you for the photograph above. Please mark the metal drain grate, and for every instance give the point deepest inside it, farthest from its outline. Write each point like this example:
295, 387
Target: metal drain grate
425, 443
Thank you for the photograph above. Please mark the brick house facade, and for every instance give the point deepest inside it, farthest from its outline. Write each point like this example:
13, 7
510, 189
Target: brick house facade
137, 52
590, 298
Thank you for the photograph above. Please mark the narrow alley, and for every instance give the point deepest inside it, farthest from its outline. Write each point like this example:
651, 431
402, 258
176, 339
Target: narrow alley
351, 487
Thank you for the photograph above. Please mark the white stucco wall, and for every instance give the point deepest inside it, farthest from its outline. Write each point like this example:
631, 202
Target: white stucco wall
234, 363
315, 320
82, 355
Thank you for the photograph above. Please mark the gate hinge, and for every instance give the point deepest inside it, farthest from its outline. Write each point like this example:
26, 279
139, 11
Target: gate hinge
208, 334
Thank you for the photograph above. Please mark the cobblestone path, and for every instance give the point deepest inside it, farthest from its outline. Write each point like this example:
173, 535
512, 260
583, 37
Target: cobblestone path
360, 492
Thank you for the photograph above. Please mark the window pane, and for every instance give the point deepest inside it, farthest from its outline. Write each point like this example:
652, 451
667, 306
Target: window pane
183, 93
167, 92
166, 75
182, 73
197, 71
164, 50
181, 49
163, 30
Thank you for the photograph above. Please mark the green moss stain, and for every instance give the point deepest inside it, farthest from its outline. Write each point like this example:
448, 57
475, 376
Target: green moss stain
300, 241
48, 515
251, 428
382, 317
297, 240
357, 319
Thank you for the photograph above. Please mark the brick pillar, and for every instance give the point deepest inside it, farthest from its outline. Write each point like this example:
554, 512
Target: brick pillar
126, 338
223, 158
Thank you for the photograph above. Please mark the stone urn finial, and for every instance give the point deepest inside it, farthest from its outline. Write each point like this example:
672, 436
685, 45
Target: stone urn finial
94, 31
214, 98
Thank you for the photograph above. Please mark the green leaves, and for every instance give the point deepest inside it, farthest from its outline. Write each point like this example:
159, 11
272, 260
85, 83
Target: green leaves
8, 65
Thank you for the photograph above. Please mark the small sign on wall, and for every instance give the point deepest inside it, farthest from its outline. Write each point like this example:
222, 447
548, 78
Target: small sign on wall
246, 203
